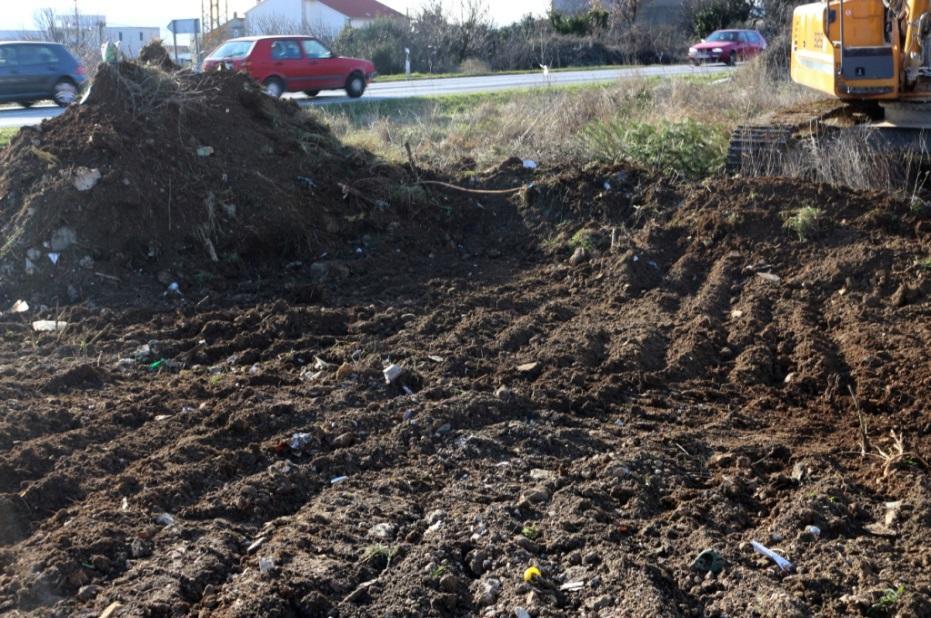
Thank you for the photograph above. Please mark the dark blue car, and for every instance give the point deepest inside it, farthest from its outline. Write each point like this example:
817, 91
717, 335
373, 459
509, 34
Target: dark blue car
31, 72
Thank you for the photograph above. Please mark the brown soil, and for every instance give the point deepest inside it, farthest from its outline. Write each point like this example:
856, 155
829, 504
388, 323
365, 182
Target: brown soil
235, 450
154, 54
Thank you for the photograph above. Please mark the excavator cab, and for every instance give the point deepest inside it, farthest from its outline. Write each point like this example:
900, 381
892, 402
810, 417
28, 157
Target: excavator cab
847, 49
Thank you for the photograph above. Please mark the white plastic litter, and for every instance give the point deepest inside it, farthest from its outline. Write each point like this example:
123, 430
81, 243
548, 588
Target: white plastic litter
299, 441
529, 164
85, 179
19, 306
392, 373
769, 277
781, 562
48, 326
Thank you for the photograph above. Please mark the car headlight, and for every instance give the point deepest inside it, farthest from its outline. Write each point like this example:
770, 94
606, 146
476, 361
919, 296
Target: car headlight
692, 51
717, 50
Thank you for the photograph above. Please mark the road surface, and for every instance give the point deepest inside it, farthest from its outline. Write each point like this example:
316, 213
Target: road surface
15, 116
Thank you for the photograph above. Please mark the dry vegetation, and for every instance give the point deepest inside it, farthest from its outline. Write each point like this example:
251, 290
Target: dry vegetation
679, 126
608, 121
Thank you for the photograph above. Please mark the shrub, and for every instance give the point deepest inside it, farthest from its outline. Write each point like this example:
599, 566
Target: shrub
710, 15
683, 148
805, 222
474, 66
579, 25
383, 42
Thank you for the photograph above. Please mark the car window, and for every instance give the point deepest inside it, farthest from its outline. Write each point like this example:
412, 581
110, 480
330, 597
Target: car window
232, 49
7, 56
744, 37
723, 36
316, 49
286, 50
36, 54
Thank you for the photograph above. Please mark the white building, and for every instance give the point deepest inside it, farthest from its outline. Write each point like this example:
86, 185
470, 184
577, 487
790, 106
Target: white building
131, 39
325, 18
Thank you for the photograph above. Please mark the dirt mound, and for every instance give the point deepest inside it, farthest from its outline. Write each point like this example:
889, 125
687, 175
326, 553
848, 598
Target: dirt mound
165, 172
154, 54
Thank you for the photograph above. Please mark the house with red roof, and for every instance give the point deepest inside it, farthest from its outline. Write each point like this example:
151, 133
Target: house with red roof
324, 18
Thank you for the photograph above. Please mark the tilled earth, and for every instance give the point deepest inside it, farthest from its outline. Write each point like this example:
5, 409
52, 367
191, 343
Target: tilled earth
693, 385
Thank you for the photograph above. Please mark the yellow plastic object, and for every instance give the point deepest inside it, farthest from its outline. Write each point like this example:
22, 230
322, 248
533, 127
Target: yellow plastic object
531, 574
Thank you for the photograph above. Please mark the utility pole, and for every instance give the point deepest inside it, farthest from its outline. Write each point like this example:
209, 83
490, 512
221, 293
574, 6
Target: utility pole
77, 25
211, 16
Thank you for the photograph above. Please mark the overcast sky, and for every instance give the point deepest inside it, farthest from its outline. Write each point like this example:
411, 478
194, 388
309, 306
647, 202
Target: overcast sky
18, 14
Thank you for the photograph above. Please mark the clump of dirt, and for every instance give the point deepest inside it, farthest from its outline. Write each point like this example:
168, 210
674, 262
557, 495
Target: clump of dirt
154, 54
154, 170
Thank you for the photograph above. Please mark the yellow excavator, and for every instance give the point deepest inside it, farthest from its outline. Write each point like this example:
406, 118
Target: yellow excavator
873, 57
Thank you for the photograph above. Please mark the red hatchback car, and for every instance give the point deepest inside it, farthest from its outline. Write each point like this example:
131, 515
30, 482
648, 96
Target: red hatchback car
727, 46
292, 64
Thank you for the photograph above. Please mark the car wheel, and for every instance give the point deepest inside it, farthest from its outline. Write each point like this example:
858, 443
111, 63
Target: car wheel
64, 93
695, 63
274, 87
25, 104
355, 86
731, 60
311, 93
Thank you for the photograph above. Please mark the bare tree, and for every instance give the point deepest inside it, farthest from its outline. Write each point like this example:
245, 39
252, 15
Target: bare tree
47, 24
625, 11
279, 24
473, 27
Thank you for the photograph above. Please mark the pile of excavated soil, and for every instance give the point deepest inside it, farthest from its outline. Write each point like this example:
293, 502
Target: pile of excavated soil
159, 172
154, 54
606, 377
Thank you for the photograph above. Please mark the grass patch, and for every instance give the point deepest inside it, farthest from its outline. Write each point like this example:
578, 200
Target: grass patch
682, 148
887, 601
6, 135
805, 222
584, 238
380, 551
531, 532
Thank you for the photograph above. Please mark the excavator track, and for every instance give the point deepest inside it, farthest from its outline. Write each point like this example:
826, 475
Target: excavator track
761, 147
756, 150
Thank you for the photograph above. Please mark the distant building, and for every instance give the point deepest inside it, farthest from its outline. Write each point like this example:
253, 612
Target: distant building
232, 29
91, 31
80, 29
657, 12
131, 39
325, 18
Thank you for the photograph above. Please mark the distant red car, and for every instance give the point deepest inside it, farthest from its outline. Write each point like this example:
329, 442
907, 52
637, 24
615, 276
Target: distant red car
727, 46
292, 64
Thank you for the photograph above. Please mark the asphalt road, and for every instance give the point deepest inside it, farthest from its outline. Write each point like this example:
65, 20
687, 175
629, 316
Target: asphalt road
15, 116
